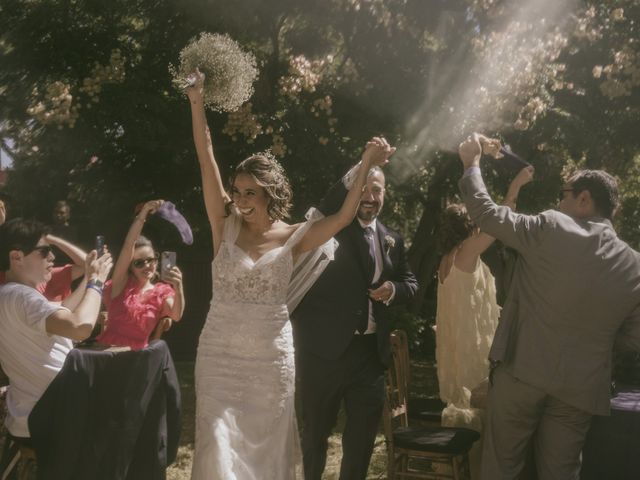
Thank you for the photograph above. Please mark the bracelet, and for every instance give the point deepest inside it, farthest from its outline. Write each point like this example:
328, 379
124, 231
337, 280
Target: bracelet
93, 286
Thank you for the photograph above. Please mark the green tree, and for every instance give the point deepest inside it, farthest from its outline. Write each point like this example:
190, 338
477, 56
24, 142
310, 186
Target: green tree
88, 102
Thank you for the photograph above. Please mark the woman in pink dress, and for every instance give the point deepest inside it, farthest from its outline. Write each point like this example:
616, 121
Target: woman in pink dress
135, 304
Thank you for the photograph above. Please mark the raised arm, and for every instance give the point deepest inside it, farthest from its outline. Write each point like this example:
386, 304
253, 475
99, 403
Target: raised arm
121, 270
521, 232
377, 153
74, 299
77, 324
75, 253
215, 197
476, 244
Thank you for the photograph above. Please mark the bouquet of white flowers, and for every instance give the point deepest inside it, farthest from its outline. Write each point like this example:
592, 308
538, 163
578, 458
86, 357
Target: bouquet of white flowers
229, 71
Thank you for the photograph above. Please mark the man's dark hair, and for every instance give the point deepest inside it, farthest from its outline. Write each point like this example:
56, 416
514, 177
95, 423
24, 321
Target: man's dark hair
19, 234
602, 187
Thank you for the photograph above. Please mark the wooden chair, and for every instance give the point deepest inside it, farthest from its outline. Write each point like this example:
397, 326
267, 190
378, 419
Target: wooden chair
163, 325
423, 411
17, 462
410, 447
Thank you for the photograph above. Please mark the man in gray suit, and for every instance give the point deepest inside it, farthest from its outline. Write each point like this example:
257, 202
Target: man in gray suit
576, 286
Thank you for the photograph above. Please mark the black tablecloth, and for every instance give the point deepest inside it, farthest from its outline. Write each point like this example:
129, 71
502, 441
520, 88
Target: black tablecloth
612, 447
109, 415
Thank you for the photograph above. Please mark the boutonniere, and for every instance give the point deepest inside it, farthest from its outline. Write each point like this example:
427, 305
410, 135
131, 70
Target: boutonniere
389, 243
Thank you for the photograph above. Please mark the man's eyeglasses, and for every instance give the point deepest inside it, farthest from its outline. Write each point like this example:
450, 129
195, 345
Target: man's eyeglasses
44, 250
562, 192
143, 262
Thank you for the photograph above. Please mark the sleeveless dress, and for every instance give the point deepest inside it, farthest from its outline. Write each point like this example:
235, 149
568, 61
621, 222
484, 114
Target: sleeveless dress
244, 374
133, 315
467, 317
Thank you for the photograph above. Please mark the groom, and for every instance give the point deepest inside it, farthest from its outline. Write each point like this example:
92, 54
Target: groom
342, 332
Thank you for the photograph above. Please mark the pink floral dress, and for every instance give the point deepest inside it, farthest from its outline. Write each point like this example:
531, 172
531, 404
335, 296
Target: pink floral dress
133, 315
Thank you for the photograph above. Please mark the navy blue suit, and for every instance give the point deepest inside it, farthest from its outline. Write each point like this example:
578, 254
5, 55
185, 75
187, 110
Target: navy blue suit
333, 363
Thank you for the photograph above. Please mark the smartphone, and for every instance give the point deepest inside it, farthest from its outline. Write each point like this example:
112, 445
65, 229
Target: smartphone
99, 245
167, 262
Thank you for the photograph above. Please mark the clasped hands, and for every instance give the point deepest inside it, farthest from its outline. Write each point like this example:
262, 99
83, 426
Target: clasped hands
377, 152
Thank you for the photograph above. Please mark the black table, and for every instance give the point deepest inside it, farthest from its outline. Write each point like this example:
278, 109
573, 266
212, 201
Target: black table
612, 447
109, 415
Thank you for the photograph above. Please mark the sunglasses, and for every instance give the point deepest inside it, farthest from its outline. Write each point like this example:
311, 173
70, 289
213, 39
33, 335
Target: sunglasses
44, 250
143, 262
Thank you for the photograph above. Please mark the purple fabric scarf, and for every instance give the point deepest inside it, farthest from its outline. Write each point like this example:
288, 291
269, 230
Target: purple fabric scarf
169, 212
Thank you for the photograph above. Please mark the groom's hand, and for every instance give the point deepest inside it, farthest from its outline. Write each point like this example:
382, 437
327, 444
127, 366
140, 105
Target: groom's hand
470, 151
383, 293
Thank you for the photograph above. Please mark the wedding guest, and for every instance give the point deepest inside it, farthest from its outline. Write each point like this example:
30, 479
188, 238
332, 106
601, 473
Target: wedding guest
245, 372
135, 301
576, 286
342, 331
59, 286
467, 314
36, 335
61, 227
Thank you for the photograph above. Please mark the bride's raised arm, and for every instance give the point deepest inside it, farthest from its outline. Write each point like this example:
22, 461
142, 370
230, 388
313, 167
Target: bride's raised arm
376, 154
215, 196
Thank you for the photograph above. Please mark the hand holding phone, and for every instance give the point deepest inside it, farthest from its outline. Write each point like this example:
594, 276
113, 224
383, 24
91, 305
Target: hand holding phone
99, 245
167, 262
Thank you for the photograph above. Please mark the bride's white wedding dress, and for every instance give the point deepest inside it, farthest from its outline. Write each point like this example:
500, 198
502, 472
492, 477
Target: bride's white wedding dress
245, 418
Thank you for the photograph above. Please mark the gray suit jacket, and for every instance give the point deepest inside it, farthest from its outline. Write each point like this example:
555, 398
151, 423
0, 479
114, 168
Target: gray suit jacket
576, 287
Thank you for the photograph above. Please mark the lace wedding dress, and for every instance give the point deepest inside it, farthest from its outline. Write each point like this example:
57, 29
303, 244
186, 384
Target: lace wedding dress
466, 320
245, 419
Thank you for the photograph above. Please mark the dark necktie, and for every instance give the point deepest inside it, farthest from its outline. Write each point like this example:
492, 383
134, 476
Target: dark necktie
369, 237
363, 323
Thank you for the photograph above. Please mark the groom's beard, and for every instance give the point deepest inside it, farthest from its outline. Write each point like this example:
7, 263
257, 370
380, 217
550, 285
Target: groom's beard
369, 214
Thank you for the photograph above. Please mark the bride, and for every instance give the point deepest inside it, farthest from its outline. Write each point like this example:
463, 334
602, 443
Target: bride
244, 374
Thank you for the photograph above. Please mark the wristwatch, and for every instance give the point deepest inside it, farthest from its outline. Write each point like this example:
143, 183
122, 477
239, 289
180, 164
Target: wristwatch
95, 282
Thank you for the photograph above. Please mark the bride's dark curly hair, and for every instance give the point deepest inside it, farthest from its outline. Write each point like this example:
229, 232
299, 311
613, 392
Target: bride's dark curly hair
455, 227
269, 174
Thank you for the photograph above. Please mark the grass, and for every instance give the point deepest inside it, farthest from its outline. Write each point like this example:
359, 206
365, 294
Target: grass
424, 383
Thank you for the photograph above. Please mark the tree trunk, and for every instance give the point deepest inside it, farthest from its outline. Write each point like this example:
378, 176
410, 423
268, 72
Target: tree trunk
423, 254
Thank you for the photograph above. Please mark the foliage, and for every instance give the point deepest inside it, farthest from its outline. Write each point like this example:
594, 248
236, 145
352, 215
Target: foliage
92, 115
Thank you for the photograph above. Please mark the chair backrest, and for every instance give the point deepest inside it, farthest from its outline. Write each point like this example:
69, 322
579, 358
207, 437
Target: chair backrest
400, 345
396, 388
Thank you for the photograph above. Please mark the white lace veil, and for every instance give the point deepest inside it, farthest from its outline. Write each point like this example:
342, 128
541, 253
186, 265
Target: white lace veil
309, 265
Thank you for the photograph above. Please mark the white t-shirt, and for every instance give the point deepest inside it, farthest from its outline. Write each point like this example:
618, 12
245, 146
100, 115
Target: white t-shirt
30, 357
